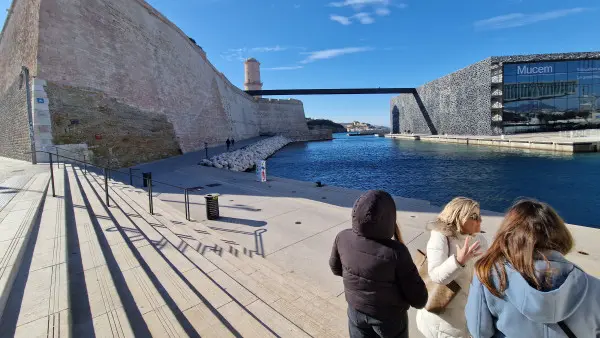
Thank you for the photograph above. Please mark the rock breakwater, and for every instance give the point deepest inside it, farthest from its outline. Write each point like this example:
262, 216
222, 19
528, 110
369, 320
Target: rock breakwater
245, 158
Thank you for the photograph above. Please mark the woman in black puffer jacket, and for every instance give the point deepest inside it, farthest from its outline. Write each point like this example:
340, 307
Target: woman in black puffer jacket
381, 281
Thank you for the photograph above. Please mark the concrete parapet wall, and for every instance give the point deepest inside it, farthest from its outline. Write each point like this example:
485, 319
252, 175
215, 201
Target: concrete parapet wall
404, 137
571, 147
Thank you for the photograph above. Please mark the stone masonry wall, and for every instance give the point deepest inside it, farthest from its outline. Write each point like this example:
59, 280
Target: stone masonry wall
129, 52
240, 109
18, 41
284, 117
14, 123
128, 134
457, 104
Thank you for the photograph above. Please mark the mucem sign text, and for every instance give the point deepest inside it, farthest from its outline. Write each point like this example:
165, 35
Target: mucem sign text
527, 70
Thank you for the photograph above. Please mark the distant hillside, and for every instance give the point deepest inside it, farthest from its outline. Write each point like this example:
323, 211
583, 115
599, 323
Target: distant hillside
326, 124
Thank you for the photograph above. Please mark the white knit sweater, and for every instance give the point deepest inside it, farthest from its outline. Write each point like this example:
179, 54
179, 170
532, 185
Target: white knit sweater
443, 268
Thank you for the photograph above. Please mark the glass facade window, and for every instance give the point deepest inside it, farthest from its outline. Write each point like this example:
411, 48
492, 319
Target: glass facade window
546, 96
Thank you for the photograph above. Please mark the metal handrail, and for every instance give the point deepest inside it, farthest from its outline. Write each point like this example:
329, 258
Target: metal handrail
57, 148
63, 149
107, 171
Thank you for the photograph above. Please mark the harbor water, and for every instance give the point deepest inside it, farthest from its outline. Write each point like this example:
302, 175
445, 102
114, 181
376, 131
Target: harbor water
496, 177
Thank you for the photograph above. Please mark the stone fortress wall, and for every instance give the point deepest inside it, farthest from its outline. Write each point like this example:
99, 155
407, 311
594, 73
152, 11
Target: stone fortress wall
17, 49
123, 79
458, 103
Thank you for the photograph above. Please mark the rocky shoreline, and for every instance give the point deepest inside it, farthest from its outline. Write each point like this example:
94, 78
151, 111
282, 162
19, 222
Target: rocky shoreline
246, 157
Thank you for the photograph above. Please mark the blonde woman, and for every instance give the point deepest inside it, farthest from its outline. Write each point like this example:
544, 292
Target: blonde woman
454, 243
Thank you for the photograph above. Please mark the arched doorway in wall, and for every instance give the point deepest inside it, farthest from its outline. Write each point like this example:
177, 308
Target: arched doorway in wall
395, 120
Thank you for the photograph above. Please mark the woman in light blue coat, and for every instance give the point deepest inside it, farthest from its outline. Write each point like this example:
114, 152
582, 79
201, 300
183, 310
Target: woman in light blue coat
524, 287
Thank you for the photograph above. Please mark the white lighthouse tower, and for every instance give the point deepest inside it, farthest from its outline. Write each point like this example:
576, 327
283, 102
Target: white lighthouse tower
252, 69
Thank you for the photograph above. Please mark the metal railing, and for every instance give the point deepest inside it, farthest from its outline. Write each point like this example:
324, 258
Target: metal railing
107, 171
57, 148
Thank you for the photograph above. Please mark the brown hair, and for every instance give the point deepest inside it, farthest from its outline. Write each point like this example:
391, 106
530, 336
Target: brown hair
398, 234
529, 228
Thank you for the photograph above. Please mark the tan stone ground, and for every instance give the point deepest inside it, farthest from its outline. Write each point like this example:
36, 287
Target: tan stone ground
71, 266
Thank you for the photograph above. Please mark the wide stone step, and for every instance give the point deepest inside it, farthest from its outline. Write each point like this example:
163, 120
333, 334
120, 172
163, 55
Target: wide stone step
144, 297
38, 303
20, 217
210, 308
10, 188
244, 258
273, 289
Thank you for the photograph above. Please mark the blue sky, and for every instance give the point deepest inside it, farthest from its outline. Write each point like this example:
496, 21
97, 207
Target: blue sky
374, 43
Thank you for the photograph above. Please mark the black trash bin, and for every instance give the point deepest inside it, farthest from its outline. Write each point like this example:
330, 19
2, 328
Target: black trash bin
212, 206
145, 178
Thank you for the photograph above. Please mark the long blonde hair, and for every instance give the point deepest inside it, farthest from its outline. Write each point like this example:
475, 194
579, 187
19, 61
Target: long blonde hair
529, 229
450, 221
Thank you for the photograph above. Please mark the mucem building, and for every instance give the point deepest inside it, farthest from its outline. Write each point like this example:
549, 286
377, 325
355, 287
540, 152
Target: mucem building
506, 95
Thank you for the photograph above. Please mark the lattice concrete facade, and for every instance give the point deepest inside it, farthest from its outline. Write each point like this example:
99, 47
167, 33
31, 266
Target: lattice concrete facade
466, 102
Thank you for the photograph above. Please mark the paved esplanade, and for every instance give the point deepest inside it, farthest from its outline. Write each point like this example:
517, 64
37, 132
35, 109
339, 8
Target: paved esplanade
294, 223
73, 267
83, 268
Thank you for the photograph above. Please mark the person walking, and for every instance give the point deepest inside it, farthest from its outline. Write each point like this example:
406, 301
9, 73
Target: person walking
232, 143
228, 143
454, 243
525, 287
381, 281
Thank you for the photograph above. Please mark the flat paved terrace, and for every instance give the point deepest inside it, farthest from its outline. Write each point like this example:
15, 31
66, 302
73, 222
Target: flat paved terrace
74, 266
570, 142
293, 224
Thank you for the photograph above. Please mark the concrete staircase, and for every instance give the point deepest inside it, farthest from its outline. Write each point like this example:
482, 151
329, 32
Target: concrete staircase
81, 268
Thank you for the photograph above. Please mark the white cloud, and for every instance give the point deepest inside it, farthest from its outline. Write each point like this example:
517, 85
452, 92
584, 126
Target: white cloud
234, 54
341, 19
332, 53
520, 19
268, 49
364, 18
241, 54
296, 6
284, 68
359, 3
382, 11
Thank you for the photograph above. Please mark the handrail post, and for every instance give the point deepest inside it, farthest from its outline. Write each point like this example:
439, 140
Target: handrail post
106, 186
84, 165
52, 175
185, 203
130, 177
188, 206
57, 159
150, 205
